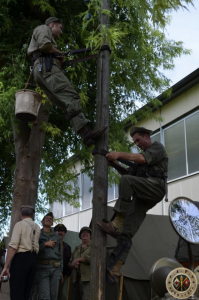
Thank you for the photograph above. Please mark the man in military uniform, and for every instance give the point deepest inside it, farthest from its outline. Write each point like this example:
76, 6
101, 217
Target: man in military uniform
80, 263
61, 230
49, 261
139, 191
49, 76
22, 255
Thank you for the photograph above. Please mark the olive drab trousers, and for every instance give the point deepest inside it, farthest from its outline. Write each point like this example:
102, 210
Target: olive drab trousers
61, 93
85, 289
136, 196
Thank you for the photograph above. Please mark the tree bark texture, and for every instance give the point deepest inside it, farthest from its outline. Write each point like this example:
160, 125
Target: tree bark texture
28, 148
98, 245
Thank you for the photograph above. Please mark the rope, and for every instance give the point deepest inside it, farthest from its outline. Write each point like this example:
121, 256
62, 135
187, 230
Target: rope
28, 80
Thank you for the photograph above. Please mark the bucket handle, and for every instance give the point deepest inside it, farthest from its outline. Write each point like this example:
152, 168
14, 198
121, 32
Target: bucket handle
28, 80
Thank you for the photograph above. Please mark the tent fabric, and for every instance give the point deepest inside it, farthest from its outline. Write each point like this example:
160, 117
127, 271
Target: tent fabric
72, 239
136, 289
155, 239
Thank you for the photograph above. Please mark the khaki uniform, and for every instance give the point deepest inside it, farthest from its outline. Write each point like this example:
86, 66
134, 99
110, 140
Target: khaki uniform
49, 267
24, 239
54, 83
137, 195
83, 272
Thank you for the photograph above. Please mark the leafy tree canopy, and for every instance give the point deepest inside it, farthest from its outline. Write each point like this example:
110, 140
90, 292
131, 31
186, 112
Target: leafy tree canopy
139, 48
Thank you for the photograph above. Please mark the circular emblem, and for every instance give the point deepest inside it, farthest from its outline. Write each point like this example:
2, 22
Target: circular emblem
181, 283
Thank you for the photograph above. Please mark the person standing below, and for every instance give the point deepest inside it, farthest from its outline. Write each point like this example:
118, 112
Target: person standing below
139, 191
2, 262
22, 255
80, 263
61, 230
50, 78
49, 261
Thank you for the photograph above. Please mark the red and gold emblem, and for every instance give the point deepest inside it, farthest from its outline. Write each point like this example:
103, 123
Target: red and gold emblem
181, 283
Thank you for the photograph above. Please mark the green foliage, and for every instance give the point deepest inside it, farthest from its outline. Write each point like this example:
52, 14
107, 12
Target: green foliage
139, 49
52, 129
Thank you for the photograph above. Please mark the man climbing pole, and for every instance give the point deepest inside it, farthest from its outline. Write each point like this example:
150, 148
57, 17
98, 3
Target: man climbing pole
50, 78
139, 191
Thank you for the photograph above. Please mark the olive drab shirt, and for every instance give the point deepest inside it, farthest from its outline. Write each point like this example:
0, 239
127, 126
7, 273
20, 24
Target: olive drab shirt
48, 253
84, 268
156, 157
42, 41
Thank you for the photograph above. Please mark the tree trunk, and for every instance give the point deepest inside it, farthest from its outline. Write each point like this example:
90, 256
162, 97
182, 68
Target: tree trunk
98, 245
28, 148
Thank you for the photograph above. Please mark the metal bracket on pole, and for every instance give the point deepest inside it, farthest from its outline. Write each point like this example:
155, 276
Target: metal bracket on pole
83, 50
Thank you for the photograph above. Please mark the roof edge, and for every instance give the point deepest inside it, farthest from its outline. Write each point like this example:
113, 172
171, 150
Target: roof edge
177, 89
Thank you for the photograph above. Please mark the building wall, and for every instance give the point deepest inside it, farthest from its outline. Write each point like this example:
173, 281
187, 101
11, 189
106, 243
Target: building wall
187, 186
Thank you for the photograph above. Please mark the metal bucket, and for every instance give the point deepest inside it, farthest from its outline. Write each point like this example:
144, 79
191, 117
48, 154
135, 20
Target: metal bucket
27, 105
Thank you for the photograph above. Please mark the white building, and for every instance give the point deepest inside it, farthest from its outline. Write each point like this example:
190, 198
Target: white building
179, 132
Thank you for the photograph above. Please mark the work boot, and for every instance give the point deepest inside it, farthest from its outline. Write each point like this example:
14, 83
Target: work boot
118, 221
112, 275
113, 228
109, 228
89, 136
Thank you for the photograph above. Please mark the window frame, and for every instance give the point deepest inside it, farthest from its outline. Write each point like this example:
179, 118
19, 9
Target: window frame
185, 135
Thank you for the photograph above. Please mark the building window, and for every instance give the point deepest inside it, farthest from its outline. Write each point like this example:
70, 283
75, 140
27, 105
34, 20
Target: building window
57, 209
181, 142
68, 208
87, 192
192, 137
155, 138
174, 138
85, 185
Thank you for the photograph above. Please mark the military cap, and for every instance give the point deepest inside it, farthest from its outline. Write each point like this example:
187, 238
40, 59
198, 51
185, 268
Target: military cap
140, 129
50, 214
85, 229
27, 208
60, 227
52, 19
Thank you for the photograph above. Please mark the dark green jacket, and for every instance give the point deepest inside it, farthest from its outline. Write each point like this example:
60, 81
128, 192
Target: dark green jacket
48, 253
182, 254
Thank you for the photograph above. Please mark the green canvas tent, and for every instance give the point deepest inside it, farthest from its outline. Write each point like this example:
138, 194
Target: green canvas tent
155, 239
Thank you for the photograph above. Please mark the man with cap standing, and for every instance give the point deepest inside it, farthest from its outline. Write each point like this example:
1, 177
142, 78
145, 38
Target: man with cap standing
61, 230
80, 263
49, 76
139, 191
49, 261
22, 255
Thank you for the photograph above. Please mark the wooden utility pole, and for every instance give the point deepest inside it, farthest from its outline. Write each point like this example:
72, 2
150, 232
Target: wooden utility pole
98, 248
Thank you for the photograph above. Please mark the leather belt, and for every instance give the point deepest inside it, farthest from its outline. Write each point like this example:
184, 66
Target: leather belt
47, 262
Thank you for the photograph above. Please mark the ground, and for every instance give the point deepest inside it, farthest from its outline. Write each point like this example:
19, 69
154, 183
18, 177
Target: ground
5, 291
